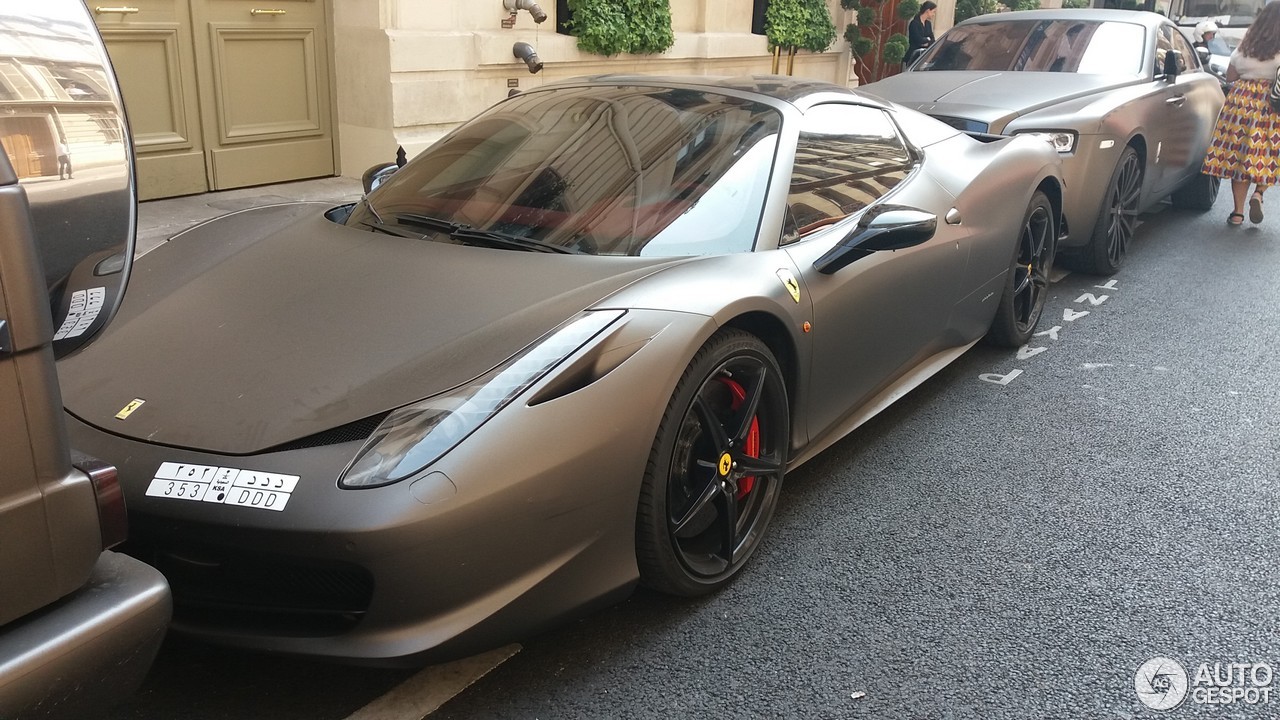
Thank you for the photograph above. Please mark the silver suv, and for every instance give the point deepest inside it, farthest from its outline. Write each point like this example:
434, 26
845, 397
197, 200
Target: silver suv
79, 624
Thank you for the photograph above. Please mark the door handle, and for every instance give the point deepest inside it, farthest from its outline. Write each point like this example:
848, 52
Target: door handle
265, 11
1178, 100
115, 10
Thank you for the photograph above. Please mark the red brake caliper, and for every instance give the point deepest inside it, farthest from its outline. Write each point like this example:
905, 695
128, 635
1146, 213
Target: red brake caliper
752, 448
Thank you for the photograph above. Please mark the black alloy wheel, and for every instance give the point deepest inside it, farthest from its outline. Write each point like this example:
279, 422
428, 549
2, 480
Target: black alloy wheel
716, 467
1118, 219
1028, 282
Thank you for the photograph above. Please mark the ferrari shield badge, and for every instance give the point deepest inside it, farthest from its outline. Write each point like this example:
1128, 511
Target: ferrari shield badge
790, 283
127, 410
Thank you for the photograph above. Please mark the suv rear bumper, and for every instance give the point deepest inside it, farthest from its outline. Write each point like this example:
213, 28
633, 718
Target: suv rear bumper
89, 648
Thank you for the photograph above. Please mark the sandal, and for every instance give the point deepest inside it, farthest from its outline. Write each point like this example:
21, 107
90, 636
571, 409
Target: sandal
1255, 208
1235, 219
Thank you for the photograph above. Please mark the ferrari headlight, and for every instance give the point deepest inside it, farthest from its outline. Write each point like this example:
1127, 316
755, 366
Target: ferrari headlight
416, 435
1064, 141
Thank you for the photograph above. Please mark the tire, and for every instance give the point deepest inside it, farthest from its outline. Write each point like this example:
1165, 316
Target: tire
696, 524
1027, 283
1118, 218
1197, 193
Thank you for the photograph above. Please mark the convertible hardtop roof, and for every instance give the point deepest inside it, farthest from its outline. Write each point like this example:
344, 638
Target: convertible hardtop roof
1141, 17
791, 90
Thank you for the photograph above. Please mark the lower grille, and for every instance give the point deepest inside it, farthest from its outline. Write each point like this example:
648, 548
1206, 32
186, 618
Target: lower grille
258, 593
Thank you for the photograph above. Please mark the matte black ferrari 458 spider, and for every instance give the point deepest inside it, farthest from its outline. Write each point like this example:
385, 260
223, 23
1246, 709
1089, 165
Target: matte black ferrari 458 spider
573, 346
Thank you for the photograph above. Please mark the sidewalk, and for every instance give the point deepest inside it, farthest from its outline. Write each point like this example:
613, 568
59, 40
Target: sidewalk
158, 220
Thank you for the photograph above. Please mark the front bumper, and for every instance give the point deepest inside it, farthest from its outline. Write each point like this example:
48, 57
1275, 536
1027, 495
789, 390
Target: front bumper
527, 521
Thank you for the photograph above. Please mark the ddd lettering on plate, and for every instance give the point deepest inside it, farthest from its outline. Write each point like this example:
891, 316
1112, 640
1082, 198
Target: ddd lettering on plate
228, 486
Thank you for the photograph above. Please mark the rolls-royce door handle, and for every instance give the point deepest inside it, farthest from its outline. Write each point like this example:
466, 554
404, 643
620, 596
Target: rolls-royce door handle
1176, 100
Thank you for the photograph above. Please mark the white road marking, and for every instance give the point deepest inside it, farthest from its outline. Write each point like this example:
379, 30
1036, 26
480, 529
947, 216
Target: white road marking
1111, 285
1026, 352
1094, 300
998, 379
425, 692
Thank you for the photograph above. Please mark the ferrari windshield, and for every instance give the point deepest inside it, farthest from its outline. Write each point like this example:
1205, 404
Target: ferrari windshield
610, 171
1074, 46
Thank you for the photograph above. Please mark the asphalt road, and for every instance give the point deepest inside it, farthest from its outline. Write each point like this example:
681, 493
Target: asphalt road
979, 550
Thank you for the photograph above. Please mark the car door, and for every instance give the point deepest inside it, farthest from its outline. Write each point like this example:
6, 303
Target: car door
885, 312
1187, 136
1177, 123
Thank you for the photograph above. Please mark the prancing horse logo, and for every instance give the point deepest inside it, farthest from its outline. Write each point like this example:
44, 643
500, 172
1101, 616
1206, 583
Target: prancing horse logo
127, 410
726, 464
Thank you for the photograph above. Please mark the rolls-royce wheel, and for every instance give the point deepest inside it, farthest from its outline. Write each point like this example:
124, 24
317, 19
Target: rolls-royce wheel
1118, 218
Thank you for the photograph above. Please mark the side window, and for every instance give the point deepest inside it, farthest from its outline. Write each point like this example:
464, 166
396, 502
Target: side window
1164, 44
1187, 58
848, 156
1168, 38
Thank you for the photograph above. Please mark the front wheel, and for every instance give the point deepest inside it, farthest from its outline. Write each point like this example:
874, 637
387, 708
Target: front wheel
715, 469
1118, 218
1028, 280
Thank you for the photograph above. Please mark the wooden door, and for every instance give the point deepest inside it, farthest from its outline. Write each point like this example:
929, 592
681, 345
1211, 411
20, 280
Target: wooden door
152, 49
264, 90
222, 93
28, 141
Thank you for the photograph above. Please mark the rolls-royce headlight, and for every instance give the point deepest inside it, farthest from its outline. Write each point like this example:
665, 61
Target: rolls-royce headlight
1064, 141
416, 435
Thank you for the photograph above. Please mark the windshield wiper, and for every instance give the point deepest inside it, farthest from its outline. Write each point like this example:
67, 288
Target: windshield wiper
493, 238
383, 227
473, 236
428, 222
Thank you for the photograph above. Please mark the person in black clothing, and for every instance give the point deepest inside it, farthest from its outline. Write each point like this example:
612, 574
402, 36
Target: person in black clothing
920, 30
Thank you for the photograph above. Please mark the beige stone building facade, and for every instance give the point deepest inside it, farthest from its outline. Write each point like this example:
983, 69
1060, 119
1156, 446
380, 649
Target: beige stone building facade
230, 93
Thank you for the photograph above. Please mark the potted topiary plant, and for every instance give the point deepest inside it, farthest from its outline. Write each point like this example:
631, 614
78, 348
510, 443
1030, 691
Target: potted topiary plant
609, 27
796, 25
877, 39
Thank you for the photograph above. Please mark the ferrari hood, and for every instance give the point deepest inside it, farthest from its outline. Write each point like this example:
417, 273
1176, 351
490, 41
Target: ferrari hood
237, 345
989, 97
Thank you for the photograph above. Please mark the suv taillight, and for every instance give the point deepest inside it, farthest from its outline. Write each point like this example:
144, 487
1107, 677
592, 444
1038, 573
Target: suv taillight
112, 518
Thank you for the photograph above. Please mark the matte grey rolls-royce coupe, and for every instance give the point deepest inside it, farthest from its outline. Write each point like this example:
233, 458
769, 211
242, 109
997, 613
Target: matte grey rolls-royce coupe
1121, 95
573, 346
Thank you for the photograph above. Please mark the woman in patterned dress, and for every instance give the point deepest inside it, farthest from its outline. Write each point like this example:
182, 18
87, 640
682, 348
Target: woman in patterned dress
1246, 141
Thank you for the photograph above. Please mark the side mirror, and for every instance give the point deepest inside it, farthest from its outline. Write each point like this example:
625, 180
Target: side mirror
1202, 52
909, 61
883, 227
1171, 58
376, 175
68, 157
